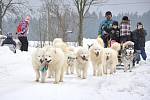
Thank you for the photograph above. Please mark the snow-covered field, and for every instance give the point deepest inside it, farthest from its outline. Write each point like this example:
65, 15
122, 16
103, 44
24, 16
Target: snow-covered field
17, 82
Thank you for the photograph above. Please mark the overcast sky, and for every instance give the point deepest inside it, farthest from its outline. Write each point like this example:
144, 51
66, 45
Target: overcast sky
116, 6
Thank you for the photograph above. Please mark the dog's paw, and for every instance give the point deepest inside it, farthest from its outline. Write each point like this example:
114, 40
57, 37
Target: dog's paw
84, 78
55, 82
61, 81
36, 80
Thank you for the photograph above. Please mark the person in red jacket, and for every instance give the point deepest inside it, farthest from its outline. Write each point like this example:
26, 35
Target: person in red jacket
22, 31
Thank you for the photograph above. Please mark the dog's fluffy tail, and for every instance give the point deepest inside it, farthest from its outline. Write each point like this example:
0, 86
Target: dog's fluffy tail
116, 46
100, 41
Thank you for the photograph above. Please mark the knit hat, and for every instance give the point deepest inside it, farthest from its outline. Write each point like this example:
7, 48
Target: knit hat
115, 23
125, 18
140, 25
108, 13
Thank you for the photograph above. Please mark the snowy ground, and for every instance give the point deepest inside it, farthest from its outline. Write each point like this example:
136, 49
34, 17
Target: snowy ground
17, 82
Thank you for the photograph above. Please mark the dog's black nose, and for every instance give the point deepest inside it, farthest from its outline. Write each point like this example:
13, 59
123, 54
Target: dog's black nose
97, 53
45, 58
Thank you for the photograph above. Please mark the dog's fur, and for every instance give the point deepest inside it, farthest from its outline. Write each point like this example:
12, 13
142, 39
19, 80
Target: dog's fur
110, 60
57, 40
55, 58
100, 41
70, 64
59, 43
128, 55
37, 60
96, 52
116, 46
82, 61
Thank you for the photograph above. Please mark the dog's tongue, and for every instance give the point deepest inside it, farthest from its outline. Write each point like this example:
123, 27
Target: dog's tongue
46, 63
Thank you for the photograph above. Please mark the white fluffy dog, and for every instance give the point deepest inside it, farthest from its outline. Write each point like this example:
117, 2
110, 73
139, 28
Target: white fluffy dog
96, 57
110, 60
82, 62
37, 61
55, 58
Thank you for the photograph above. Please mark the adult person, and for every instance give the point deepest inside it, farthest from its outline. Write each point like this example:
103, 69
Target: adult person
22, 31
104, 28
138, 37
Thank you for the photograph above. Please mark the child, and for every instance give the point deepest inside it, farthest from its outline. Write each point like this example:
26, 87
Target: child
115, 33
125, 32
10, 42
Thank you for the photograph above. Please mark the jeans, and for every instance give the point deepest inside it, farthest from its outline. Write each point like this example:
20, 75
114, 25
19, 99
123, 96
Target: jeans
142, 53
106, 41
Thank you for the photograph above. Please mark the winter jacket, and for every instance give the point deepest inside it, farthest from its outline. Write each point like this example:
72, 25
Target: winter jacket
23, 29
104, 28
10, 43
138, 38
125, 28
115, 34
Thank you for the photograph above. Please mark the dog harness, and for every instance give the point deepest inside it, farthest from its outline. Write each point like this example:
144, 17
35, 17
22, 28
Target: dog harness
44, 67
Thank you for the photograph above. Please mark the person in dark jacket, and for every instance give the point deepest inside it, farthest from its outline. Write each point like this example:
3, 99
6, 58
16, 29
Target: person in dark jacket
10, 42
138, 37
115, 32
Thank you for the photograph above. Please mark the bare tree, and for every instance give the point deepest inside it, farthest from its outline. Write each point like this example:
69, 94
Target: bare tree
9, 6
83, 7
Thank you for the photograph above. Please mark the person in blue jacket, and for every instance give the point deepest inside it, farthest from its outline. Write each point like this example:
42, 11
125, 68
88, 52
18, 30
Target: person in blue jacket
104, 28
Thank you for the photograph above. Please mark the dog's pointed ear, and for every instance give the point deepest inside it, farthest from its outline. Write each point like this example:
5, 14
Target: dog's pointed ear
89, 45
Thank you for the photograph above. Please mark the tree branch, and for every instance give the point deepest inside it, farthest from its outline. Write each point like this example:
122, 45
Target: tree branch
77, 5
9, 4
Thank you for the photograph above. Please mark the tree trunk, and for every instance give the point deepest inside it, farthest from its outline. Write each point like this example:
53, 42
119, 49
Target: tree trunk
80, 36
1, 17
0, 25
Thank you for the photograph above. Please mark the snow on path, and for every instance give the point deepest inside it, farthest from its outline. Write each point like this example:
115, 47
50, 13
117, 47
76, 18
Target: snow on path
17, 83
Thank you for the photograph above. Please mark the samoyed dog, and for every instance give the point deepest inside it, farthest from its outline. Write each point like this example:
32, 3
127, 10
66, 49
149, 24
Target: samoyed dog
110, 60
82, 61
96, 56
55, 59
37, 61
